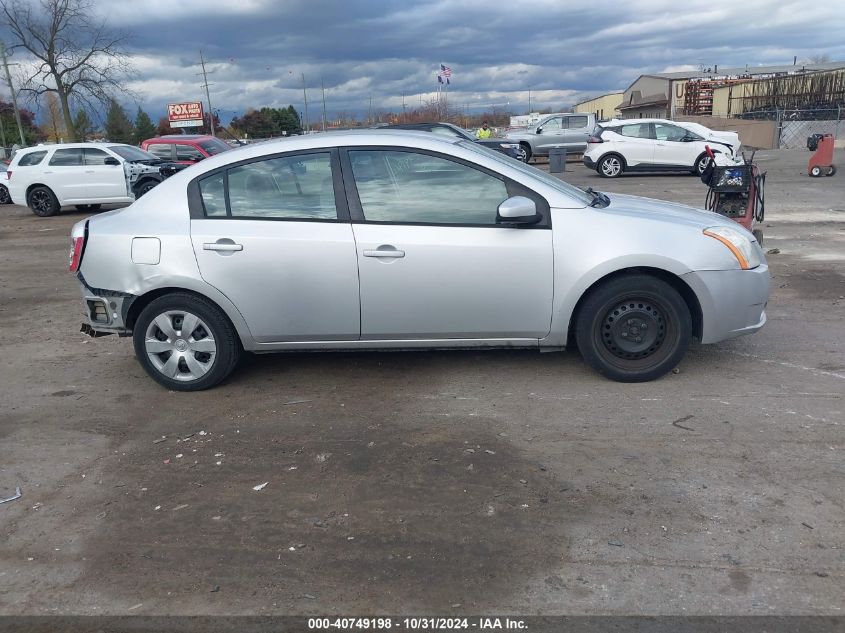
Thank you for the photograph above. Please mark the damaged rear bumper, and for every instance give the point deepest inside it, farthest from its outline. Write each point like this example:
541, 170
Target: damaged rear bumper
106, 311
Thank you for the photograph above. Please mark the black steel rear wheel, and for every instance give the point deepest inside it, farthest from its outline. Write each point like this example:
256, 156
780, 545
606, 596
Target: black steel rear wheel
633, 328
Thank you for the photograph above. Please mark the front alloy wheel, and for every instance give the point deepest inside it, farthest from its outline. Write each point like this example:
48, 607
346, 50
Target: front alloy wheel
185, 342
633, 328
610, 166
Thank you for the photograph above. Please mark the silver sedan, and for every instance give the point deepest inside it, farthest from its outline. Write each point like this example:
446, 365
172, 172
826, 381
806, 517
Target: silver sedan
393, 239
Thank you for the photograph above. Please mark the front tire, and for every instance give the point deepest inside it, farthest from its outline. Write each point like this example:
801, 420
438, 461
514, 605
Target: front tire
633, 328
5, 198
42, 202
185, 342
610, 166
700, 165
816, 171
144, 187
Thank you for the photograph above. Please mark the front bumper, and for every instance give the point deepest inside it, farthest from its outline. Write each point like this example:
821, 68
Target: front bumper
733, 302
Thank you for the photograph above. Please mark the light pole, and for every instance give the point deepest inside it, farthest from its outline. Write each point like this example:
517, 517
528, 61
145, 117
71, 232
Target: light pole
4, 54
529, 99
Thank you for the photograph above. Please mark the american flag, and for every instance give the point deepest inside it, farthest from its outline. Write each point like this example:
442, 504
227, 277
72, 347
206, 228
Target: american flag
445, 71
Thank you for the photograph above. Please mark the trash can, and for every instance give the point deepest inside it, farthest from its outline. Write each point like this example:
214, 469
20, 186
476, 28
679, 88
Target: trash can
557, 160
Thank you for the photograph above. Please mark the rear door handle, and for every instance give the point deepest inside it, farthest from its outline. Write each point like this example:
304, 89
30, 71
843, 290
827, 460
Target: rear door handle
217, 246
384, 251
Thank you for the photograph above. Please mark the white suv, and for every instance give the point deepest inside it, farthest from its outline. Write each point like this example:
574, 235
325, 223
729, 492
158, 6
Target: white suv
48, 177
654, 145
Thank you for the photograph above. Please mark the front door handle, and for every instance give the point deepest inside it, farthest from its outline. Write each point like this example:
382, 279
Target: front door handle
384, 251
222, 246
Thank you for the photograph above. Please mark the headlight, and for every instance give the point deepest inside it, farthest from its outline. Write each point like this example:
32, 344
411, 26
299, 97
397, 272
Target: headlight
508, 145
741, 247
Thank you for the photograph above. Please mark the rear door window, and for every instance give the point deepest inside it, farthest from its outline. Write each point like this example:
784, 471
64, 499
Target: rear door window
298, 187
66, 158
636, 130
577, 121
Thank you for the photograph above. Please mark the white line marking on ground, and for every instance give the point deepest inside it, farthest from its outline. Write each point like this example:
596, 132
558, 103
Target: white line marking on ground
812, 370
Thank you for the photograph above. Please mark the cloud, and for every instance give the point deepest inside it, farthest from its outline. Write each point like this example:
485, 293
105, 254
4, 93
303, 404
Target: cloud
258, 50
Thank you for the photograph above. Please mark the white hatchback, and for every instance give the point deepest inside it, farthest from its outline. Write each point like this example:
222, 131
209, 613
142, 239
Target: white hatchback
86, 175
630, 145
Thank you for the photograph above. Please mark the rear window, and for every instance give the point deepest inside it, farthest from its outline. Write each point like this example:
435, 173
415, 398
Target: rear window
31, 158
577, 121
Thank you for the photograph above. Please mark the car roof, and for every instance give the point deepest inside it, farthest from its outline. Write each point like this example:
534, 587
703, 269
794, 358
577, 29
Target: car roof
49, 146
180, 137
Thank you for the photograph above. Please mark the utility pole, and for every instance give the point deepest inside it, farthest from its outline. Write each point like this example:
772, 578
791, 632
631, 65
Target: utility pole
207, 94
370, 113
404, 119
305, 98
12, 90
323, 88
529, 99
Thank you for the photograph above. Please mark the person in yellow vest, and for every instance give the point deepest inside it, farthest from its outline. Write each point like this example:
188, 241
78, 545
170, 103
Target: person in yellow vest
483, 131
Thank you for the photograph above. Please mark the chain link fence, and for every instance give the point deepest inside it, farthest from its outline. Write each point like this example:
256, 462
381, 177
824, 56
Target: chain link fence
794, 126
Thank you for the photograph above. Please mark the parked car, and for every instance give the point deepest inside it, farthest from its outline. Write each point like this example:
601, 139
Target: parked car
628, 145
389, 240
569, 131
186, 149
514, 150
86, 175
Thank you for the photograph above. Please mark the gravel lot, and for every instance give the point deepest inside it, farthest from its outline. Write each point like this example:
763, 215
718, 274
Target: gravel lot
448, 482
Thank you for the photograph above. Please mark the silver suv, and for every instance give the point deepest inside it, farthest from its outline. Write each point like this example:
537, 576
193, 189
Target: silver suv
569, 131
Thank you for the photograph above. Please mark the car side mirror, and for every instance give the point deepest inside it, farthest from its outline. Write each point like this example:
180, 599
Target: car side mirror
539, 130
110, 160
517, 210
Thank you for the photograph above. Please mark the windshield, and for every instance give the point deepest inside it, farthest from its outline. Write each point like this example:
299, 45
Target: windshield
132, 154
214, 146
556, 183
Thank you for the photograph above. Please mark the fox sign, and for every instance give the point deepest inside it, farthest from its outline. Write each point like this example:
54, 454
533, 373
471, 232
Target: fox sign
185, 114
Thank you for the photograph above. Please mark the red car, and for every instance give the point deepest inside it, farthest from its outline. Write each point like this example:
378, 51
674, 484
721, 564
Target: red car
185, 148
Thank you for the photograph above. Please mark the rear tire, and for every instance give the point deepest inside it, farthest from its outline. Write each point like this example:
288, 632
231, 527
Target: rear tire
527, 149
816, 171
42, 202
610, 166
183, 360
758, 235
831, 170
5, 198
633, 328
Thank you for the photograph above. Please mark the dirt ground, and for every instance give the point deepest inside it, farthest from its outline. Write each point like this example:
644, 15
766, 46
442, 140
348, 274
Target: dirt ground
448, 482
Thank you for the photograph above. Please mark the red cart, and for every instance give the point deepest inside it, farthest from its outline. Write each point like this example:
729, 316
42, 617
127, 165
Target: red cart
822, 159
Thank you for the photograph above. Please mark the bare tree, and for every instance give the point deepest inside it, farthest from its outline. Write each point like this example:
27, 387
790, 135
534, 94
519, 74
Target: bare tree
76, 56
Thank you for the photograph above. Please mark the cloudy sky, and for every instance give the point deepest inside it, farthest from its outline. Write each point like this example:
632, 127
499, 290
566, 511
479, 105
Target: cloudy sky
562, 50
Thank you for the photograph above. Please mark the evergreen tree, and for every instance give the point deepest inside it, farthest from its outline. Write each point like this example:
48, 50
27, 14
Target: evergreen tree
144, 127
82, 125
119, 128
